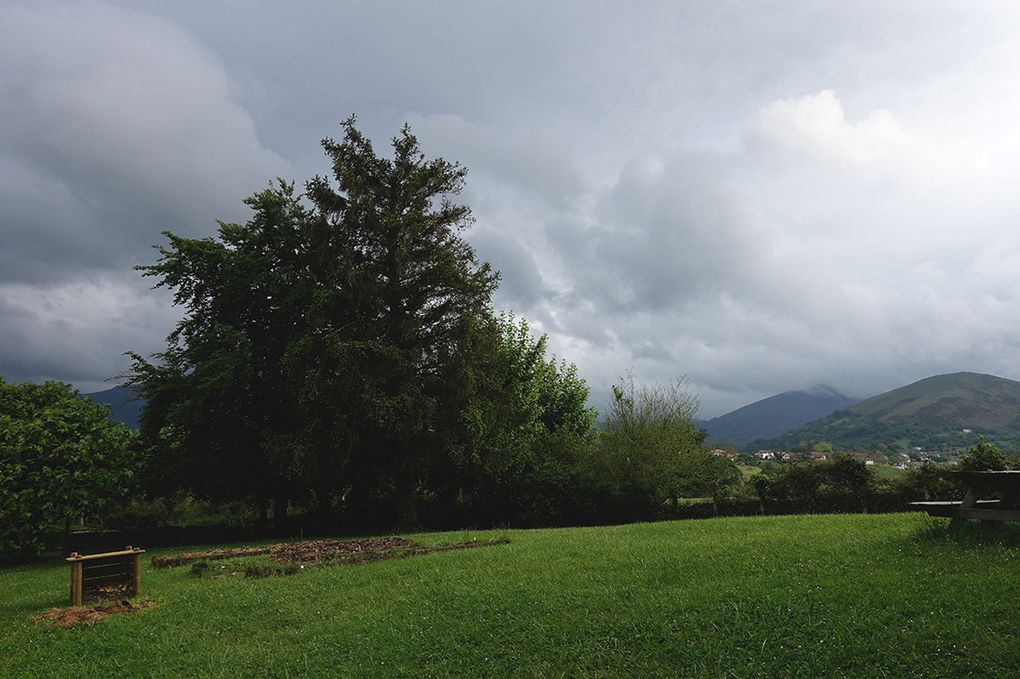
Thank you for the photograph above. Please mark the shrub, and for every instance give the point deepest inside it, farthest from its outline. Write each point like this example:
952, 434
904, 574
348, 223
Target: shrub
984, 456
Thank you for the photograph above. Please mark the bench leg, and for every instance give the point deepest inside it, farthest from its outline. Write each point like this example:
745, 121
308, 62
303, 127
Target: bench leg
969, 501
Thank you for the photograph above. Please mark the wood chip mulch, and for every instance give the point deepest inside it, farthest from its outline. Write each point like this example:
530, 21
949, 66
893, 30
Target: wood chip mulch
66, 617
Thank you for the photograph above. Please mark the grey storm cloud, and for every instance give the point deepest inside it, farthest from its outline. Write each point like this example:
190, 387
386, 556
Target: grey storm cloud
761, 198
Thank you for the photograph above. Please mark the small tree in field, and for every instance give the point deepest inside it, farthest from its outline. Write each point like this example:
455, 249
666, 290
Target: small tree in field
653, 446
60, 458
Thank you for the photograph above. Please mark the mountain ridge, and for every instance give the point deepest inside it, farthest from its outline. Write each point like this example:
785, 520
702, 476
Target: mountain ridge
125, 404
939, 412
775, 415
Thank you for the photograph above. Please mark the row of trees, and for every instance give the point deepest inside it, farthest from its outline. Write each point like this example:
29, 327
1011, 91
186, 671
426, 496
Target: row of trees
340, 351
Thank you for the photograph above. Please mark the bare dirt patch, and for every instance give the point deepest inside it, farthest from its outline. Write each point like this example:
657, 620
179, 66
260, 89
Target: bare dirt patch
66, 617
295, 555
341, 551
336, 552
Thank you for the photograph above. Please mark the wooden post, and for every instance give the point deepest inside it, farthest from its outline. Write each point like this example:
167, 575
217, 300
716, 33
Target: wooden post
76, 576
136, 573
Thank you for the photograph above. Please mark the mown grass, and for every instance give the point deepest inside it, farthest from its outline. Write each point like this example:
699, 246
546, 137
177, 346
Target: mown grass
887, 595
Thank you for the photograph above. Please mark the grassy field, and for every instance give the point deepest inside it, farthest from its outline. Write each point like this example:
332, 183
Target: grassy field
887, 471
888, 595
748, 470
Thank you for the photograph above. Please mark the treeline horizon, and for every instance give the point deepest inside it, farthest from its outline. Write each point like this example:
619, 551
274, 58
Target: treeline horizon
339, 353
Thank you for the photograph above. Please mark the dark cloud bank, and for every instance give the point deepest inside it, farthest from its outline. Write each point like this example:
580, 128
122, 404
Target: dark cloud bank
759, 204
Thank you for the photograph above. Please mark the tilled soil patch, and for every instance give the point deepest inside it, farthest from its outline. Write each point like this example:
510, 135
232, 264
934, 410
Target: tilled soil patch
341, 551
323, 552
65, 617
331, 552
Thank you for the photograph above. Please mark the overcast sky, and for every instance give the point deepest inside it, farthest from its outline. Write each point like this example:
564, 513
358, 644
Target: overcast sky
760, 196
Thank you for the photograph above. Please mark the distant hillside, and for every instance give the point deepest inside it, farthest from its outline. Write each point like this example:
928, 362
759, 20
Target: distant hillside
125, 405
775, 415
932, 414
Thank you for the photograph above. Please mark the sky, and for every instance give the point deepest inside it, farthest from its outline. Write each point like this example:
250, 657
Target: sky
758, 197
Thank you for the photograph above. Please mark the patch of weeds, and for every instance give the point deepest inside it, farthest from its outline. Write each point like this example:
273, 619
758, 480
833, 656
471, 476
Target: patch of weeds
262, 570
200, 569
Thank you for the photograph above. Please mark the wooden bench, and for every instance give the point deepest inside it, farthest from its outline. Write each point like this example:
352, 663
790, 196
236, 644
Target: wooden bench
91, 571
1007, 508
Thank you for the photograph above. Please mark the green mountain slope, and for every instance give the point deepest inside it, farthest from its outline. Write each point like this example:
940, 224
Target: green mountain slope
931, 413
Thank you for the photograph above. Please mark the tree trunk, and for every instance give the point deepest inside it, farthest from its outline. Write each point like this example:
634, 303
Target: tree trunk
262, 508
280, 508
405, 509
323, 508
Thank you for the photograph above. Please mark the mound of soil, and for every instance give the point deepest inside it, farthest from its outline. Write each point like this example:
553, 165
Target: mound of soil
65, 617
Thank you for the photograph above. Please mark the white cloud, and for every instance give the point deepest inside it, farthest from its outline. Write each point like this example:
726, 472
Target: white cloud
819, 249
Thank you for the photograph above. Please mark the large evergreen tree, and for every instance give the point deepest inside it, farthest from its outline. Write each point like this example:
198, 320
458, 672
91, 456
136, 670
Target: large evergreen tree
318, 338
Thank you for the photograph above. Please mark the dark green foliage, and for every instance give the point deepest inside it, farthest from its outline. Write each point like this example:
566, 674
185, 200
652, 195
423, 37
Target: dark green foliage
928, 482
519, 444
652, 451
984, 456
217, 397
843, 483
200, 568
340, 349
60, 459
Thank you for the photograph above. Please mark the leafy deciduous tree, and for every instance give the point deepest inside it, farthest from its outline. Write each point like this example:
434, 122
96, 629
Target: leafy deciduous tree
60, 458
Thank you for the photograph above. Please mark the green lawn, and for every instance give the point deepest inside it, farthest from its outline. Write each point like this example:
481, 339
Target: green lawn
886, 595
